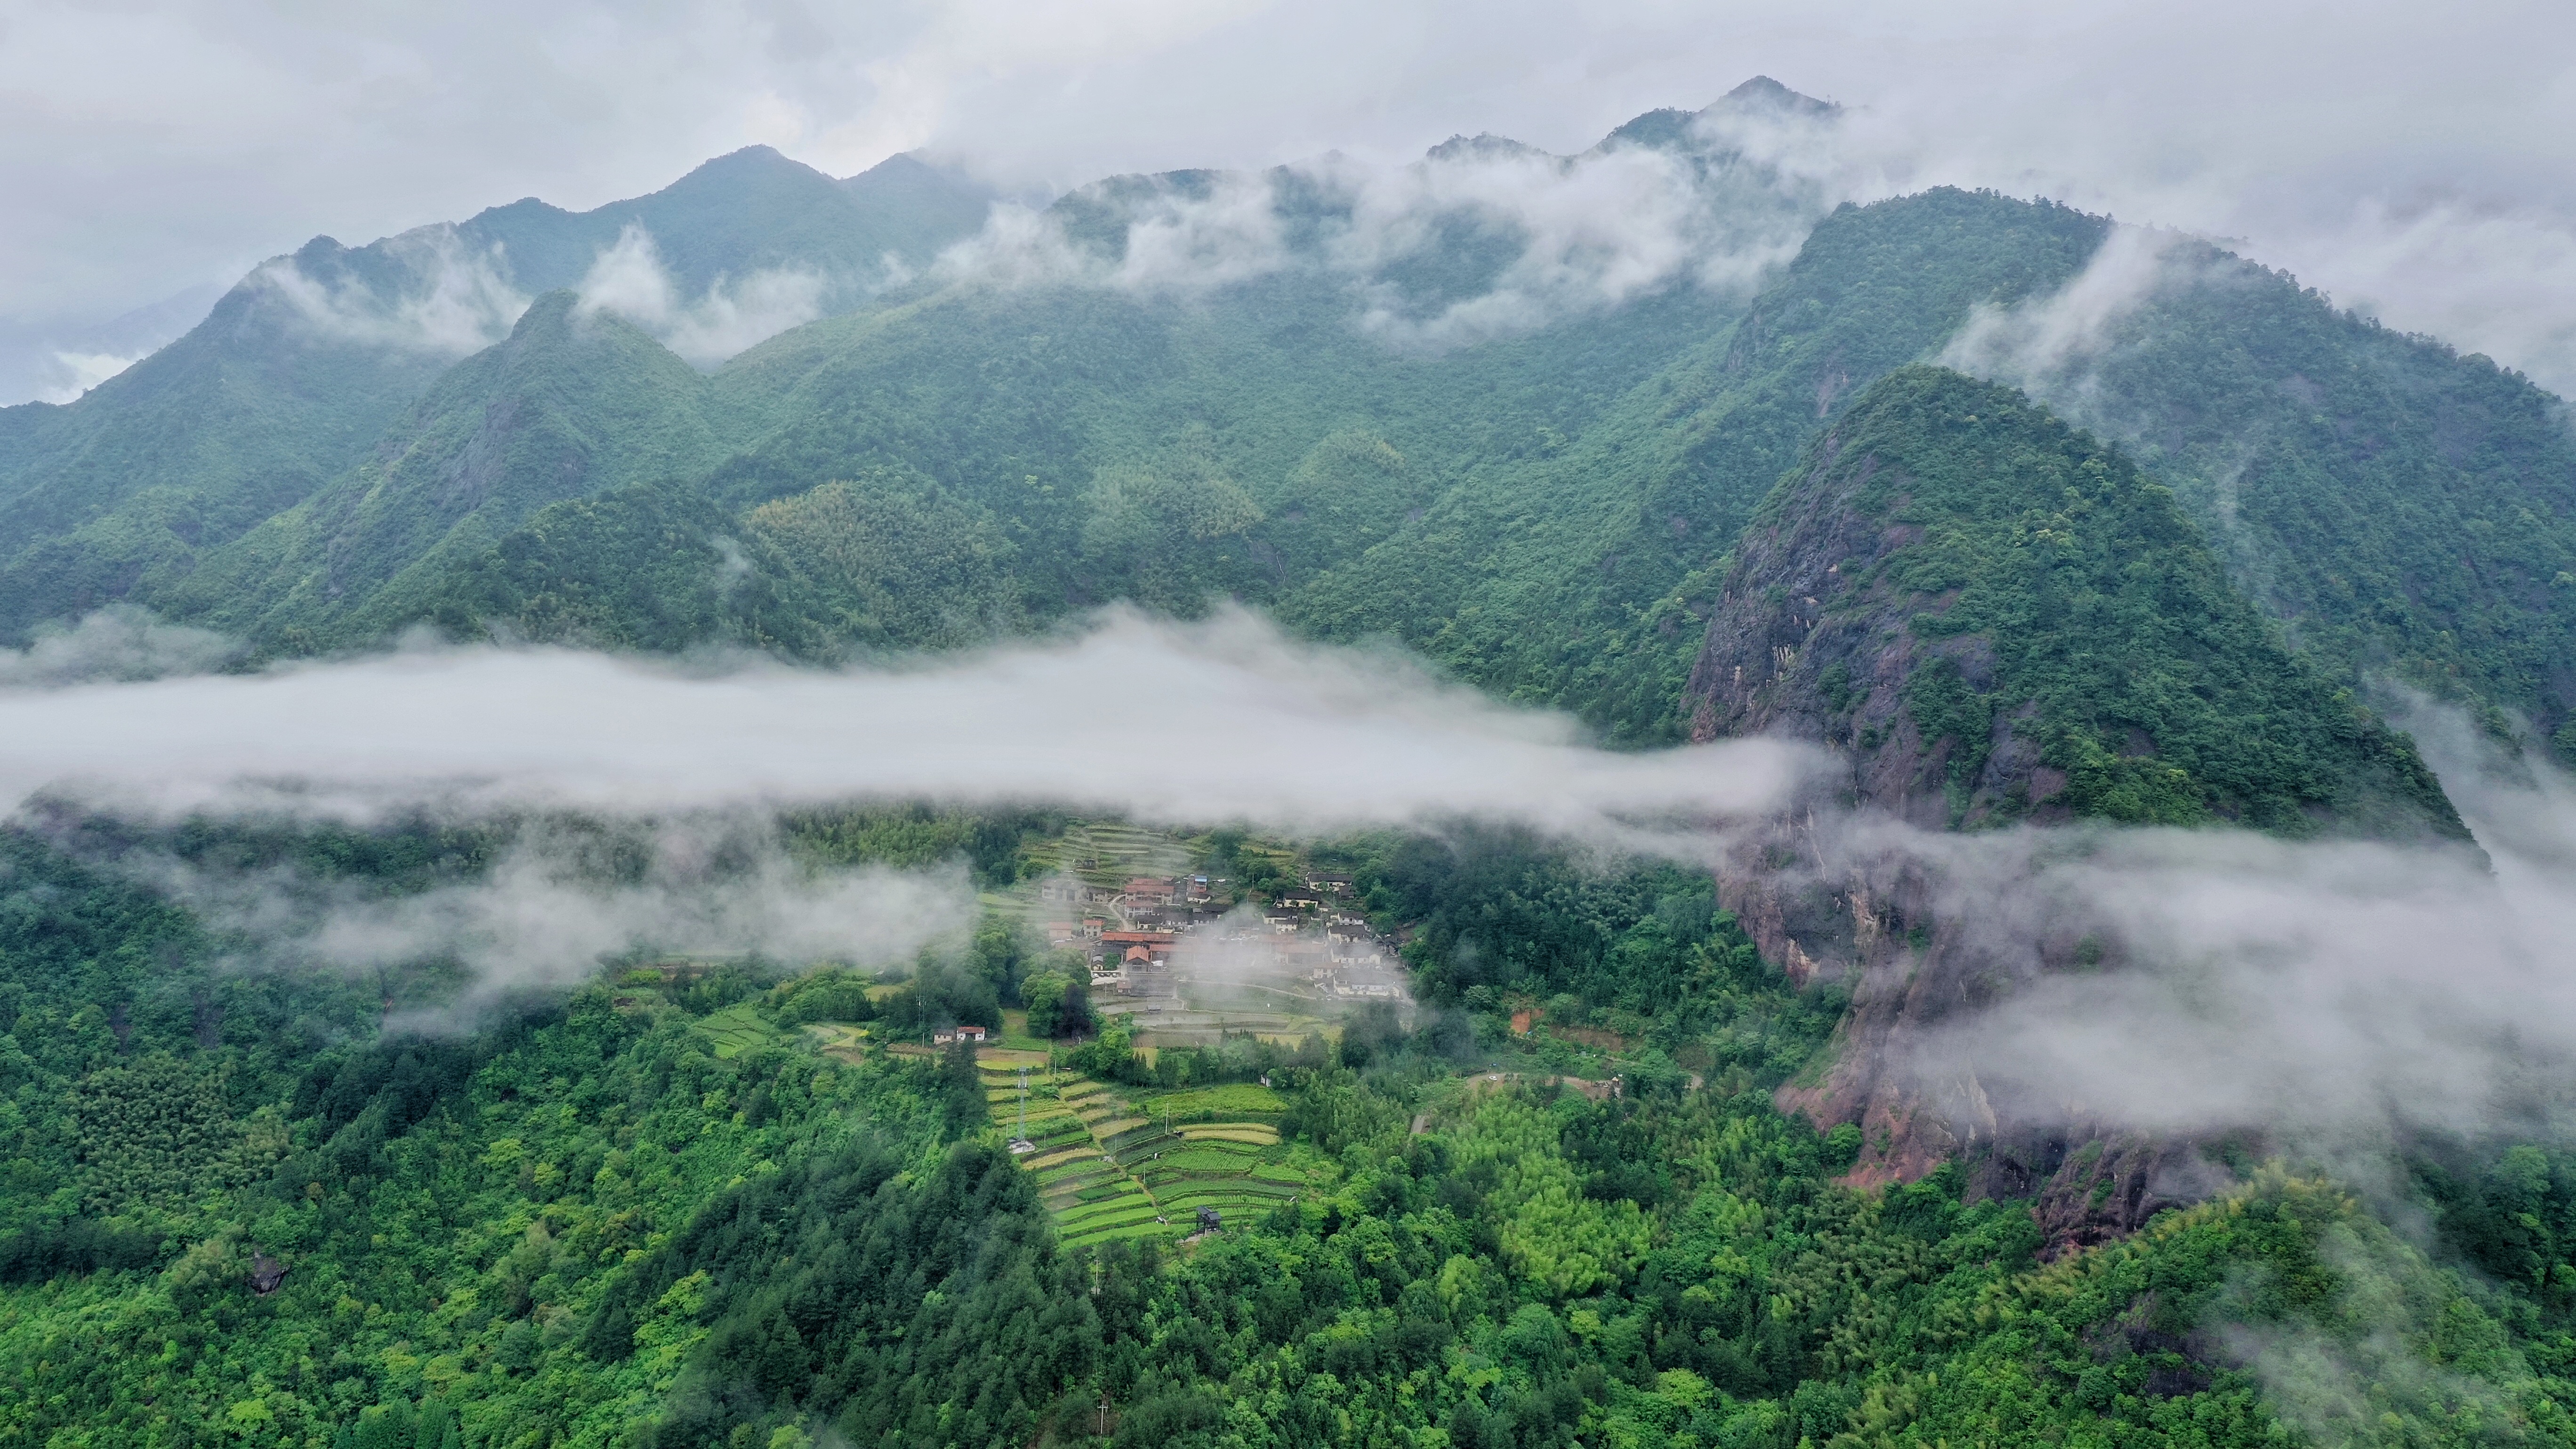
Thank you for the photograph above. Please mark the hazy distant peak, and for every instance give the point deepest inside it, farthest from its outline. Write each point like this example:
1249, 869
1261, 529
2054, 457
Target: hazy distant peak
523, 208
548, 310
1673, 129
1764, 93
327, 261
1665, 127
1483, 146
903, 164
750, 166
923, 184
1129, 187
752, 155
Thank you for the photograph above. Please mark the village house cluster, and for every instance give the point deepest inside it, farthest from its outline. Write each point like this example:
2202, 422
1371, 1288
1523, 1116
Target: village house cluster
1308, 934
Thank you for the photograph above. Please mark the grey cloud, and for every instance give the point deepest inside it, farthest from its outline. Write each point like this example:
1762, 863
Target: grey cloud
1230, 720
546, 914
56, 361
448, 297
2305, 986
2319, 990
75, 373
120, 642
1586, 232
445, 296
1234, 963
2044, 344
629, 279
2313, 988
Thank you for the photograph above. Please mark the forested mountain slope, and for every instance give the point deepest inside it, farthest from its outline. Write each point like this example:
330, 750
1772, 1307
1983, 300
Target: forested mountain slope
247, 414
2400, 507
1580, 574
574, 402
303, 367
1528, 509
1546, 508
744, 213
662, 1212
1550, 513
2001, 618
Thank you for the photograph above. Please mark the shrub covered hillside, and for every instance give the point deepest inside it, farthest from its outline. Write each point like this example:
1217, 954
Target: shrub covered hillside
2404, 508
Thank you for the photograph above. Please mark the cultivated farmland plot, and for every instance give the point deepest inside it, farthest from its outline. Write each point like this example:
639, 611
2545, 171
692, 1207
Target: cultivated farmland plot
1115, 1162
737, 1029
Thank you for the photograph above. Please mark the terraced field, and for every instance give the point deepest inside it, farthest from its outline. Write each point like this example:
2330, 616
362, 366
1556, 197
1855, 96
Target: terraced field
838, 1039
1000, 1071
1229, 1167
1259, 1134
1117, 1162
1232, 1099
1110, 1161
736, 1029
1106, 853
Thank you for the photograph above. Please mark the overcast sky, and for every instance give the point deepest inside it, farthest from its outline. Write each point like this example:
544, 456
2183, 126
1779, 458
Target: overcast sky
2420, 160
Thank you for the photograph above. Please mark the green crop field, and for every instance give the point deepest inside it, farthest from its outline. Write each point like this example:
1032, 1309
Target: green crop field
1252, 1134
1107, 1212
1146, 1229
1202, 1160
1092, 1207
1234, 1099
1084, 1163
1065, 1191
1075, 1217
1143, 1170
736, 1029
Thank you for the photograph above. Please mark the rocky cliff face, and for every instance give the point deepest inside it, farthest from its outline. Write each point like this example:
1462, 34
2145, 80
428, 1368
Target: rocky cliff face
1795, 649
1999, 623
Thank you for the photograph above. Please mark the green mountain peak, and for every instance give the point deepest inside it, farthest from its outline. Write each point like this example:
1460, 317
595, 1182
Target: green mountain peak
2004, 620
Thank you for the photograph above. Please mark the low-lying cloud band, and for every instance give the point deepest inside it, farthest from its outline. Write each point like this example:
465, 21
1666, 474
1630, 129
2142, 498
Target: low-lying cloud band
1224, 720
2321, 987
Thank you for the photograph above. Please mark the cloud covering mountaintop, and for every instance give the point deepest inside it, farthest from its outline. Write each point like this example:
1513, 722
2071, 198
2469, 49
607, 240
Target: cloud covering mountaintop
2409, 162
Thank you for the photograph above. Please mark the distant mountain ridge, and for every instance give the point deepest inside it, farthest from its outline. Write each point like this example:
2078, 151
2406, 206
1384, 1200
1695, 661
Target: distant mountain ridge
745, 211
303, 366
1549, 505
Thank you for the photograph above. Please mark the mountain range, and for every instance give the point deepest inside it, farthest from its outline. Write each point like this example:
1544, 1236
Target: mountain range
2040, 524
1546, 497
